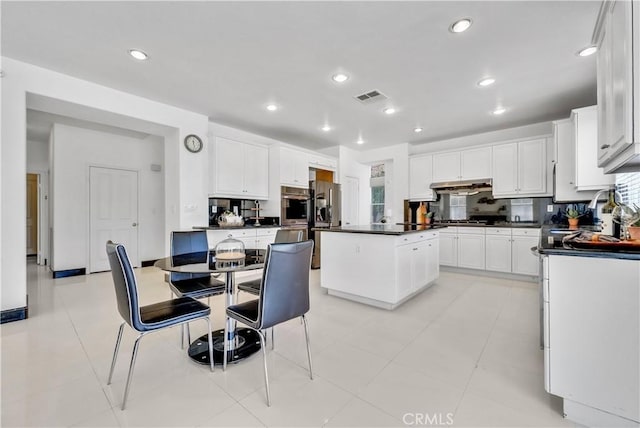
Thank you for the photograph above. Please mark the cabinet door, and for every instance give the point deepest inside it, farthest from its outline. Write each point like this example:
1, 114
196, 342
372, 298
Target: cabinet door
294, 168
419, 273
498, 253
433, 257
446, 167
505, 169
404, 255
475, 163
471, 251
420, 178
585, 135
256, 172
604, 92
523, 260
229, 167
448, 255
532, 167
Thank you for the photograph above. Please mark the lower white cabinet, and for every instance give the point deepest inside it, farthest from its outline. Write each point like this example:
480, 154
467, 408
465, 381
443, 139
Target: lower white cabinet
257, 238
523, 261
471, 248
449, 246
498, 248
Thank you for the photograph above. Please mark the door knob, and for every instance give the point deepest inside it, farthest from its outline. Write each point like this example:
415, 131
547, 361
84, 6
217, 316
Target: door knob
134, 224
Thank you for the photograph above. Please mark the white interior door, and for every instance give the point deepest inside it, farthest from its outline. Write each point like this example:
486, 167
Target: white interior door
113, 214
350, 201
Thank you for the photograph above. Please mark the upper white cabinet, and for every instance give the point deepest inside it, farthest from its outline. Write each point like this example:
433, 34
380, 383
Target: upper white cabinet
294, 168
420, 178
585, 140
239, 170
618, 35
468, 164
520, 169
322, 162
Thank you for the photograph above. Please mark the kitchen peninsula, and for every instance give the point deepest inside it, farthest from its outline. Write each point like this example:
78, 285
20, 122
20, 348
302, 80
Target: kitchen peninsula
379, 265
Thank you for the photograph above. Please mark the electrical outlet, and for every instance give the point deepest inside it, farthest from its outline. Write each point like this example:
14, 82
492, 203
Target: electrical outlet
549, 208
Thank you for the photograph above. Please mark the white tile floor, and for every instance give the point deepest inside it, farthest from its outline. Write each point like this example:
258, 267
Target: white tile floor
465, 351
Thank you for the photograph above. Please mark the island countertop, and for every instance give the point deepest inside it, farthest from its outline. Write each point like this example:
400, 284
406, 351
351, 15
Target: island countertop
382, 229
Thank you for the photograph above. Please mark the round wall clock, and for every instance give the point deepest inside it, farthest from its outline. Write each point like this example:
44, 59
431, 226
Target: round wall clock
193, 143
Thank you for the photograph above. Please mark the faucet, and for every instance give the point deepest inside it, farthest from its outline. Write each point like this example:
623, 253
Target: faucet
516, 218
594, 202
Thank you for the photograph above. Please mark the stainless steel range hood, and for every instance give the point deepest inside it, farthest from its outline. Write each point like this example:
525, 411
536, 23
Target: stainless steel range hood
464, 187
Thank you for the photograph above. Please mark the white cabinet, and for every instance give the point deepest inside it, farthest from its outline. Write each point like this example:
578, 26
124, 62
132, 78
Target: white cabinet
523, 261
471, 248
618, 32
498, 250
253, 238
322, 162
520, 169
294, 168
470, 164
585, 141
433, 257
449, 247
420, 178
239, 170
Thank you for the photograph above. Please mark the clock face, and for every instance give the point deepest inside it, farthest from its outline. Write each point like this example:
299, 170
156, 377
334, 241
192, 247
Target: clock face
193, 143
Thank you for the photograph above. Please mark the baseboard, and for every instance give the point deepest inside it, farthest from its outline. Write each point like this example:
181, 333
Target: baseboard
68, 272
148, 263
11, 315
489, 273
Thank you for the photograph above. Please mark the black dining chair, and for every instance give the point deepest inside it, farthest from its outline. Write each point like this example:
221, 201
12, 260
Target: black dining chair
148, 318
284, 295
196, 285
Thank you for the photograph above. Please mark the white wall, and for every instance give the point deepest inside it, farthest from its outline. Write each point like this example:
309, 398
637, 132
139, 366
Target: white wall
185, 173
37, 156
74, 151
349, 166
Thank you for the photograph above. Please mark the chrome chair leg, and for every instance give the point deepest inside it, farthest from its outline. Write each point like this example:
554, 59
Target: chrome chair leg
131, 366
182, 336
210, 337
115, 353
306, 336
264, 359
225, 349
273, 344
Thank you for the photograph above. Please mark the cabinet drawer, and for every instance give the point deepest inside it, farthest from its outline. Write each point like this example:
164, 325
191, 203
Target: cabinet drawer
504, 231
471, 230
241, 233
526, 232
267, 232
449, 230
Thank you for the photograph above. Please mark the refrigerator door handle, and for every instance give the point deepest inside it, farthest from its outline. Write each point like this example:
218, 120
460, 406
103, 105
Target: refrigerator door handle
330, 207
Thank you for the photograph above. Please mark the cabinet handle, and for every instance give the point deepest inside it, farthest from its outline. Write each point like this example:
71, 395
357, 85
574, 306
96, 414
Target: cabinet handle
415, 249
605, 146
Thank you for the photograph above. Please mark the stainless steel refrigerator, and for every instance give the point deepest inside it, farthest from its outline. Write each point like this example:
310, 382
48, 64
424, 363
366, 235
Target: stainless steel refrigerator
324, 212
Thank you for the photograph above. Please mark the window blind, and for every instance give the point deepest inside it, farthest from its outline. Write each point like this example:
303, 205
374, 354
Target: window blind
628, 184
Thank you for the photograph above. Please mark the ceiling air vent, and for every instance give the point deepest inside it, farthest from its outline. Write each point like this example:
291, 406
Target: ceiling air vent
370, 97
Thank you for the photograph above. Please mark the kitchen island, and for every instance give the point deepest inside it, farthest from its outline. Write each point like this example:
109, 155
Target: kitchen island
379, 265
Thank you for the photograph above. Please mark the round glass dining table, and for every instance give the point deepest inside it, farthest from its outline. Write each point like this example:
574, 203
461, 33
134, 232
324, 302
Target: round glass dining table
242, 342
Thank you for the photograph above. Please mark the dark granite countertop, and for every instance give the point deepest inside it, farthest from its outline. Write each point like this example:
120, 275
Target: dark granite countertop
246, 226
382, 229
551, 244
514, 225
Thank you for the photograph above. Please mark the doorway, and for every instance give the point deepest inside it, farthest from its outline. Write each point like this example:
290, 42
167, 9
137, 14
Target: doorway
113, 214
32, 215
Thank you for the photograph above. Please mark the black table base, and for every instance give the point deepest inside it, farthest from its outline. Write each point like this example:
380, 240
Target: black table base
247, 343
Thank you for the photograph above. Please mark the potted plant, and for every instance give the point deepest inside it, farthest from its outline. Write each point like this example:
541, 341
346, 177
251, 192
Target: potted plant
634, 228
427, 217
572, 215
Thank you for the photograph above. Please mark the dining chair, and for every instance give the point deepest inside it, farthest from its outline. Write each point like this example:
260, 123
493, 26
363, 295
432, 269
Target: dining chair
196, 285
148, 318
284, 295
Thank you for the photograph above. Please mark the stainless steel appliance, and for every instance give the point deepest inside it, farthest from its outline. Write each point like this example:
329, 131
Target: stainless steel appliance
324, 212
294, 211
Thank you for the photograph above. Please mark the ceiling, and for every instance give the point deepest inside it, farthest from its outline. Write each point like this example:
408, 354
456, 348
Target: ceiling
228, 60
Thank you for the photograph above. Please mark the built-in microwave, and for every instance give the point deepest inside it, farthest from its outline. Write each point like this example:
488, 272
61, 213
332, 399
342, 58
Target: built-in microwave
294, 206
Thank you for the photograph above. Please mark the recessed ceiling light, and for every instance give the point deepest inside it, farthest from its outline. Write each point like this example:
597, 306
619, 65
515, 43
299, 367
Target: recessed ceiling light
460, 25
340, 77
487, 81
360, 141
498, 111
589, 50
138, 54
389, 110
272, 107
417, 129
326, 128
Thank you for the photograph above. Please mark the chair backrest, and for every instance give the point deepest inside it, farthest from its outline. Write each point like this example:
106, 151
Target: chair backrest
288, 235
192, 241
124, 281
285, 283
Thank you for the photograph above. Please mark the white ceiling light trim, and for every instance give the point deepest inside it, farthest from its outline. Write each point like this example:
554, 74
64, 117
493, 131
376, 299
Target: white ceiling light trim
417, 129
138, 54
272, 107
340, 78
389, 110
486, 81
326, 128
461, 25
589, 50
498, 111
360, 141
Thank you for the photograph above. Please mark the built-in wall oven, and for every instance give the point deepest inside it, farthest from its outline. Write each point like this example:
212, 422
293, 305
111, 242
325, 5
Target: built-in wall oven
294, 212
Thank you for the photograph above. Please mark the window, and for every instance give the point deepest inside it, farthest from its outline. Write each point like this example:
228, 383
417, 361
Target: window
458, 207
522, 209
377, 193
628, 185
